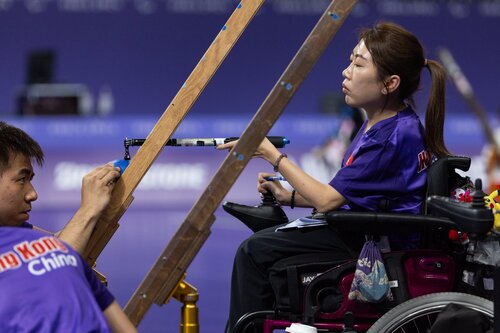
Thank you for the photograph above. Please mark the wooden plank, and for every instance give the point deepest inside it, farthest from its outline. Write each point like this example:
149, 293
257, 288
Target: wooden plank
169, 268
168, 123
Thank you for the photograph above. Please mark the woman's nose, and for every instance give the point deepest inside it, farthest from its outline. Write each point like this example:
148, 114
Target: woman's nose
347, 72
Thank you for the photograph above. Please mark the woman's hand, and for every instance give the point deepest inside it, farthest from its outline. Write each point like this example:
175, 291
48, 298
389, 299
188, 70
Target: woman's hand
229, 145
266, 149
274, 187
270, 153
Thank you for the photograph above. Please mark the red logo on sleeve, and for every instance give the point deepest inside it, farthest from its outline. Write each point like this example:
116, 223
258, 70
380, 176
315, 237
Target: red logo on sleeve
424, 160
349, 160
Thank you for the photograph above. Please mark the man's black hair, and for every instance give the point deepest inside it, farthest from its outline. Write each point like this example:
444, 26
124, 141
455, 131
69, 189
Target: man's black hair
14, 141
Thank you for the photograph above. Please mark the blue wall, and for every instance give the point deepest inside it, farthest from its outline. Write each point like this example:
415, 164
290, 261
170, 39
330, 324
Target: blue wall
145, 57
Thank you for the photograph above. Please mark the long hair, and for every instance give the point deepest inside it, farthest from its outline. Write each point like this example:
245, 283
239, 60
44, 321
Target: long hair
14, 141
396, 51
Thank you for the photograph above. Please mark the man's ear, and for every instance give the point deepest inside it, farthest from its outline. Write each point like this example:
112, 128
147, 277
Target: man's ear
392, 83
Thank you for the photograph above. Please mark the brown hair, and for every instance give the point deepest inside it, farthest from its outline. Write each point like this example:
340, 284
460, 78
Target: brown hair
396, 51
15, 141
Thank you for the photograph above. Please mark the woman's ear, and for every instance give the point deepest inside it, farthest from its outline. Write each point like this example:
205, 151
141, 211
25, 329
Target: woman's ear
392, 83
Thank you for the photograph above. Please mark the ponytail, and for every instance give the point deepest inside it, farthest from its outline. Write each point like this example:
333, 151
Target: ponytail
397, 51
435, 113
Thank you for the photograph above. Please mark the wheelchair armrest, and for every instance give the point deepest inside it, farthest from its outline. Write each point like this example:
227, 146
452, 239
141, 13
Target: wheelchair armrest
470, 217
380, 223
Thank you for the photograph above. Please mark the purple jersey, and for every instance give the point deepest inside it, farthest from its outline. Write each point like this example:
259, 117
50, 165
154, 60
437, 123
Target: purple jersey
45, 286
387, 163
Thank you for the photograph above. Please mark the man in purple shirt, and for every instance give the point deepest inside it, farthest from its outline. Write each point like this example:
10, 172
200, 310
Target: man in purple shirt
45, 285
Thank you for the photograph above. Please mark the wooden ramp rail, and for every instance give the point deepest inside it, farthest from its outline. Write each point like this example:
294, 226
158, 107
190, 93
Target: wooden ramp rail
167, 124
172, 263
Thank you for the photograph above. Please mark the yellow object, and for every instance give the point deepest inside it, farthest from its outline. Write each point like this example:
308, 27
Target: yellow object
494, 206
188, 295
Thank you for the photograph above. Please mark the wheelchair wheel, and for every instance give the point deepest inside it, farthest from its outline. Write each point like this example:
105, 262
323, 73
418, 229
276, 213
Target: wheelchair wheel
418, 314
252, 322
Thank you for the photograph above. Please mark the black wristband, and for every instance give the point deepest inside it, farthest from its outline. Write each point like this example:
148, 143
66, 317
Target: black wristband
292, 200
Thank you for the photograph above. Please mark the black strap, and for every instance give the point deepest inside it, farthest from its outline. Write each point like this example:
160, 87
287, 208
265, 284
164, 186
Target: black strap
293, 289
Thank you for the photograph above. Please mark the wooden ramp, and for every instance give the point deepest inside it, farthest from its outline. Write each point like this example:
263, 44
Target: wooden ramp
171, 265
167, 124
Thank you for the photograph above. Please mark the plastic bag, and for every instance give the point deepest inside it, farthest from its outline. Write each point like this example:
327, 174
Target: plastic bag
370, 283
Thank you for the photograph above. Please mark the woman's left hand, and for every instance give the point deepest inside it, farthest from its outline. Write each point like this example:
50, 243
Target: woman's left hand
266, 149
274, 187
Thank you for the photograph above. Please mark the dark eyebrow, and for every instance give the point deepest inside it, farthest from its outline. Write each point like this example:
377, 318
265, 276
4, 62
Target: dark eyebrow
357, 55
26, 172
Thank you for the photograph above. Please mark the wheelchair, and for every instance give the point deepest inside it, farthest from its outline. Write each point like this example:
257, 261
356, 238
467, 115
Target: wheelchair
313, 290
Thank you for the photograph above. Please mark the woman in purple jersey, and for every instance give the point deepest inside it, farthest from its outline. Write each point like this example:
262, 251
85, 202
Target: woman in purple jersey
385, 162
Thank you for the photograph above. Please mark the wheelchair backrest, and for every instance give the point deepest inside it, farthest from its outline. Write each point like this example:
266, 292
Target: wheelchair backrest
442, 175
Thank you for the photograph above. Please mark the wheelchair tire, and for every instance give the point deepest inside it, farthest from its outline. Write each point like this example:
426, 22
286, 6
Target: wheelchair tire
418, 314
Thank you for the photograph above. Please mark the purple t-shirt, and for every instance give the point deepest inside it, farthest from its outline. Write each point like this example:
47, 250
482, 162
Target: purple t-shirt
388, 162
45, 286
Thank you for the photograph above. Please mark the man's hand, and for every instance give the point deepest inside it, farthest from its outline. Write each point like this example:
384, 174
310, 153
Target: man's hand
97, 187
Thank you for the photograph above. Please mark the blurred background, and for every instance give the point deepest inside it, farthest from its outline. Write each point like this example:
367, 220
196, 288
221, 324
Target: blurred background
81, 75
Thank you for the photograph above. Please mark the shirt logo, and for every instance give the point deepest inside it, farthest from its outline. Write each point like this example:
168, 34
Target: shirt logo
424, 160
349, 160
41, 256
